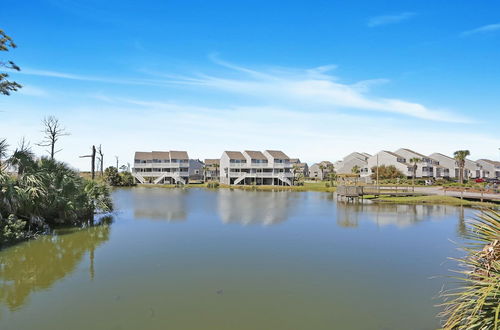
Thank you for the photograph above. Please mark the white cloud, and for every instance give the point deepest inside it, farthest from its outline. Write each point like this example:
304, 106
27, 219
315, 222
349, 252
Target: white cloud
389, 19
31, 90
314, 89
482, 29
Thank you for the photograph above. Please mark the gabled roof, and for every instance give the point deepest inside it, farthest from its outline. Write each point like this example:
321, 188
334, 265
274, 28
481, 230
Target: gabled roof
209, 162
235, 155
489, 161
143, 155
414, 152
442, 155
393, 154
277, 154
294, 160
255, 155
160, 155
179, 155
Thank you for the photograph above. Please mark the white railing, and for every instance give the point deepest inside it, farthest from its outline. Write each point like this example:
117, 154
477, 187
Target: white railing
261, 175
167, 174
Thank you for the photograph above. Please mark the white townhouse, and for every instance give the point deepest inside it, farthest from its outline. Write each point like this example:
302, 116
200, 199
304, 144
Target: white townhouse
345, 166
161, 167
451, 170
490, 168
387, 158
428, 167
320, 170
302, 168
271, 167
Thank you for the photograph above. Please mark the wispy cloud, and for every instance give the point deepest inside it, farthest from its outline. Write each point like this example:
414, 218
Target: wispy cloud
33, 91
389, 19
482, 29
314, 89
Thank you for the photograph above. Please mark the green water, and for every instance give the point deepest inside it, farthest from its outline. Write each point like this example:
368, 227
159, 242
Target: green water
222, 259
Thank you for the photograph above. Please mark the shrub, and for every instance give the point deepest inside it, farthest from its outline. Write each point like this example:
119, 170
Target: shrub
213, 184
475, 304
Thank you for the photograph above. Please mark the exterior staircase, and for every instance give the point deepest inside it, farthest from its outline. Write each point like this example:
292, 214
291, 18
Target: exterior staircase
139, 177
284, 179
161, 177
178, 179
239, 179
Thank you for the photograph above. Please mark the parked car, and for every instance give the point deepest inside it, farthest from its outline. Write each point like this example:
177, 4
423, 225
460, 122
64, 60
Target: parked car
479, 180
497, 181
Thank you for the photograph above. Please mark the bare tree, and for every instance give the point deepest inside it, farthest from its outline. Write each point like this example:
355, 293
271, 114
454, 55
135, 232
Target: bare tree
116, 157
92, 161
101, 160
53, 131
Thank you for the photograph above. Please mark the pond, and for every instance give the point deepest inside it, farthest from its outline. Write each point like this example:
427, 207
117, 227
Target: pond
234, 259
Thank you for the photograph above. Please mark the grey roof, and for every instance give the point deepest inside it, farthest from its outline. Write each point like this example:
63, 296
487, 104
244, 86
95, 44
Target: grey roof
393, 154
255, 154
414, 152
142, 155
160, 155
235, 155
178, 155
278, 154
294, 160
209, 162
489, 161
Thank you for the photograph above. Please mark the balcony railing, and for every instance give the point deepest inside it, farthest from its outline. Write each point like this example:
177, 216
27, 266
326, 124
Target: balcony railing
260, 175
160, 165
157, 174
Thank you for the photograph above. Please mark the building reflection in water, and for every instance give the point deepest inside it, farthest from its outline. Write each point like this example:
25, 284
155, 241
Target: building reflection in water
350, 214
37, 265
255, 207
160, 204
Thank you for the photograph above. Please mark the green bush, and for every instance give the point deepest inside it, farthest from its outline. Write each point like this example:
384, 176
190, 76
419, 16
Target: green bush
47, 193
213, 184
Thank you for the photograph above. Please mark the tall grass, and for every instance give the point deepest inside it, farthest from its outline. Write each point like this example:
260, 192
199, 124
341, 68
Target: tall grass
475, 304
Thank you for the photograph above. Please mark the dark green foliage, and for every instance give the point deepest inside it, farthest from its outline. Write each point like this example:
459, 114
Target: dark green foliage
116, 179
7, 86
386, 172
46, 193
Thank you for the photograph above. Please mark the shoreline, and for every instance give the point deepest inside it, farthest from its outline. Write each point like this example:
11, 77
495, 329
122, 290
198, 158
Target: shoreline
321, 187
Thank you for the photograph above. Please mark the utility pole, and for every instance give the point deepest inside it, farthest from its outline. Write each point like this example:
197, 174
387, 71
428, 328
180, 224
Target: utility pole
116, 157
92, 164
101, 159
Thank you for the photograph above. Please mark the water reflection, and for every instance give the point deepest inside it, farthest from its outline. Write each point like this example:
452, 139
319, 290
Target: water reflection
401, 215
37, 265
160, 204
255, 207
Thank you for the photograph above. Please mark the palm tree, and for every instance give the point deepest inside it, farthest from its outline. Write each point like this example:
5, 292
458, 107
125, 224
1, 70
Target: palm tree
216, 166
3, 150
331, 173
355, 169
460, 157
414, 161
322, 169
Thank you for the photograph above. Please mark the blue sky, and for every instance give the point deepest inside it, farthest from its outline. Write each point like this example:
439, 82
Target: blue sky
317, 79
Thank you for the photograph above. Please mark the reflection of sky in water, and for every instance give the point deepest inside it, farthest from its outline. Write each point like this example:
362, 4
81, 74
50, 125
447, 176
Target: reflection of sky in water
309, 270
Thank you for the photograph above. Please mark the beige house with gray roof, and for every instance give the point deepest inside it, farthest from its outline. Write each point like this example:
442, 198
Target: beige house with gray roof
270, 167
490, 168
161, 167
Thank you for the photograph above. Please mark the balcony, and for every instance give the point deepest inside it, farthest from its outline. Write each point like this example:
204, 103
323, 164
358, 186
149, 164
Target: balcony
157, 174
160, 165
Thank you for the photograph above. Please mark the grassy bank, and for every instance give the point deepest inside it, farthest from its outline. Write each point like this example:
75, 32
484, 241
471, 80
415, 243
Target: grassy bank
431, 199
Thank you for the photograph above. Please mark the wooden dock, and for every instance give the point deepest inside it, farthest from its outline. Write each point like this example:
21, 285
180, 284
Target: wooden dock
353, 192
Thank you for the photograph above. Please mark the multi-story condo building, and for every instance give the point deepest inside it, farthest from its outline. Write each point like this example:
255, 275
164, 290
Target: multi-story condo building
490, 168
271, 167
161, 167
387, 158
427, 167
349, 162
212, 169
320, 170
300, 167
451, 170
